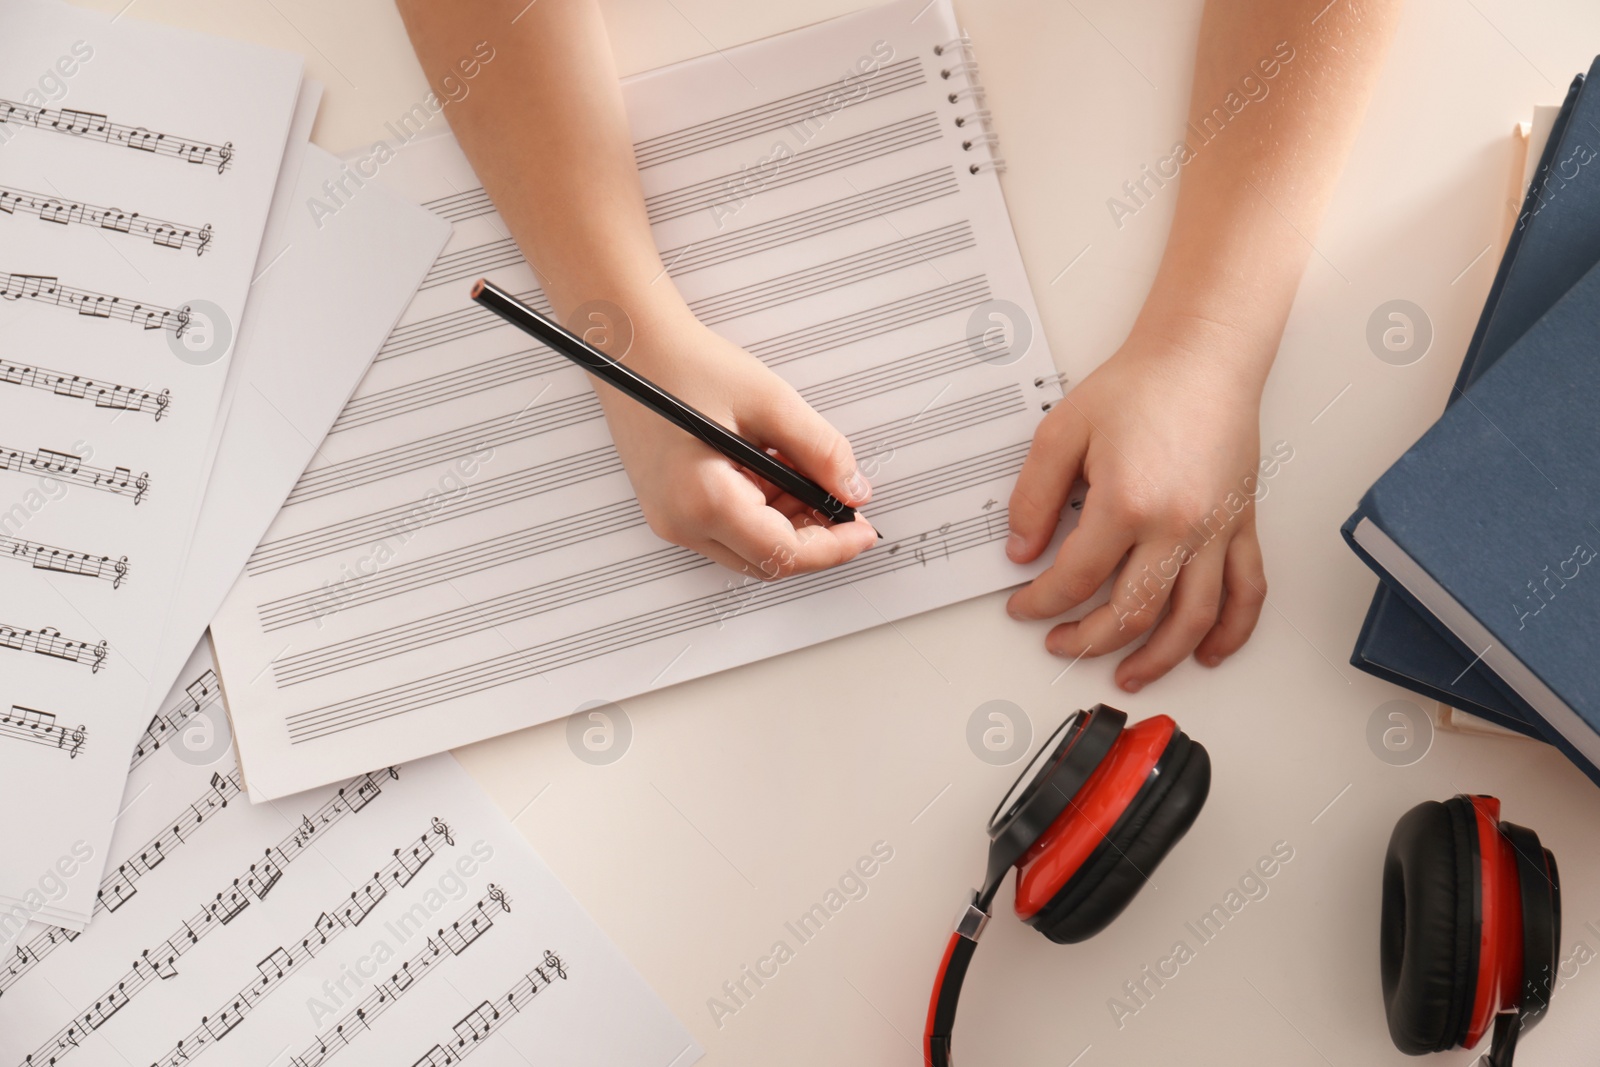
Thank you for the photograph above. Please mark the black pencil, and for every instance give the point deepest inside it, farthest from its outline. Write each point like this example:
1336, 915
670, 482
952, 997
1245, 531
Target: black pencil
663, 403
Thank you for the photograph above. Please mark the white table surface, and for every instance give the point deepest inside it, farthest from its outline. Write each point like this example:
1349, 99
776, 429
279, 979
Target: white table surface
742, 799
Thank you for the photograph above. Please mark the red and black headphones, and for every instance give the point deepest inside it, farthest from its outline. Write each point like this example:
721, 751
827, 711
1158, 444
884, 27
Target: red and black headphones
1084, 824
1471, 905
1471, 928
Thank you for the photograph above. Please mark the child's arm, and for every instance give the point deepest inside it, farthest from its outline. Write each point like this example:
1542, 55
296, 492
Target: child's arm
1165, 432
544, 126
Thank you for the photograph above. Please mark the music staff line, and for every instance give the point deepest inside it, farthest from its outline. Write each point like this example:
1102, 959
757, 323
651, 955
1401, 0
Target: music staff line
44, 557
454, 939
69, 467
960, 295
47, 641
410, 516
118, 886
47, 289
199, 694
158, 962
161, 232
97, 126
578, 647
283, 962
487, 433
736, 244
875, 262
581, 586
871, 144
39, 728
705, 195
407, 518
104, 394
476, 1027
310, 827
774, 115
622, 515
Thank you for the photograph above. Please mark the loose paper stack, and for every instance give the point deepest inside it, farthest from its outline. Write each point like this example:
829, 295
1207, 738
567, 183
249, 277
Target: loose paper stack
179, 332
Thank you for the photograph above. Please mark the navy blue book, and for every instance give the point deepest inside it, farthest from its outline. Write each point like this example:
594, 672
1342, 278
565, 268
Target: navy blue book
1490, 524
1557, 237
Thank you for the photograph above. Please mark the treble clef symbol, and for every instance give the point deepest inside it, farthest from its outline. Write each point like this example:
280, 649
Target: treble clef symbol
225, 154
99, 654
203, 240
498, 895
442, 828
79, 735
120, 569
163, 401
141, 486
183, 321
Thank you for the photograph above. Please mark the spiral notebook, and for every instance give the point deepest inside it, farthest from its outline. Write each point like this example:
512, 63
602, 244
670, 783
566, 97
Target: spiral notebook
466, 556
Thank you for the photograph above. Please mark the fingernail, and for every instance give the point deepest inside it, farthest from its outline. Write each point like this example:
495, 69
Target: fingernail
1015, 544
856, 486
1132, 685
1014, 613
1212, 660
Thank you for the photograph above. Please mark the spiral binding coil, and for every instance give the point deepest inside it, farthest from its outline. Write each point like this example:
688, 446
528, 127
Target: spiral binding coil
964, 66
1057, 380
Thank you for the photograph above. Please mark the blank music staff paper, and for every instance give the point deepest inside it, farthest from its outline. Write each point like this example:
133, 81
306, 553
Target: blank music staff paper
132, 209
394, 918
465, 557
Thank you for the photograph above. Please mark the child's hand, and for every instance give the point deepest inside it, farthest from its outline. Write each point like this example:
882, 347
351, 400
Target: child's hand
693, 496
1167, 440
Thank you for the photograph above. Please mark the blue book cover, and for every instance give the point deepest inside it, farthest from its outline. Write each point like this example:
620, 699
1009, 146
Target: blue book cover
1557, 237
1490, 524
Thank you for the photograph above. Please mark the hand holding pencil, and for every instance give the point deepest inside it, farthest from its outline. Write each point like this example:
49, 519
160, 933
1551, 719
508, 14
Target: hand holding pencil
703, 470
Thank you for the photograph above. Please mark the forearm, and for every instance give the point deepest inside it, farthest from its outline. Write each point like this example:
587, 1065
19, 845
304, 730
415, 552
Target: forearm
545, 130
1276, 103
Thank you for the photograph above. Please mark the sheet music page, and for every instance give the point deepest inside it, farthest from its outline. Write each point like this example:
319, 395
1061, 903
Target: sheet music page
466, 556
137, 163
326, 297
396, 918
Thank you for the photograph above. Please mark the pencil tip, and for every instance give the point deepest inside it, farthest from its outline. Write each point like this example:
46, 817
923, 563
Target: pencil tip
477, 287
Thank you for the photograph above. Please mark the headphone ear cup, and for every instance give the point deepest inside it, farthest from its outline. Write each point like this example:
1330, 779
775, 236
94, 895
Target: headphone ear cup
1108, 881
1428, 941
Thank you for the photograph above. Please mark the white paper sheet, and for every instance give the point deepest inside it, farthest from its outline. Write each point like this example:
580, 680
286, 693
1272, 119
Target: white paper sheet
384, 921
139, 193
188, 597
466, 556
325, 299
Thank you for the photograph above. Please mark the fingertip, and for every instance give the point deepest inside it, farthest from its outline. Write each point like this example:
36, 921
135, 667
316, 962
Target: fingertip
857, 490
1018, 549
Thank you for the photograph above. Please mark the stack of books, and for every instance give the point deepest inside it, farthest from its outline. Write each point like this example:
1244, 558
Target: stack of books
1486, 533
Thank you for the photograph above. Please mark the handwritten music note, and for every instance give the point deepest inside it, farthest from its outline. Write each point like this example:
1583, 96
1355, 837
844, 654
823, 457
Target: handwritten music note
64, 560
47, 289
161, 232
97, 126
56, 465
40, 728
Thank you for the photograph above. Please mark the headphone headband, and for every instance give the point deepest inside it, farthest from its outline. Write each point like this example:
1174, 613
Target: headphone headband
1045, 787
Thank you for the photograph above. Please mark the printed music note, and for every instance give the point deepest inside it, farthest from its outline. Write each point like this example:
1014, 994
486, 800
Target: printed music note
48, 289
58, 466
47, 641
76, 387
64, 561
97, 126
40, 728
